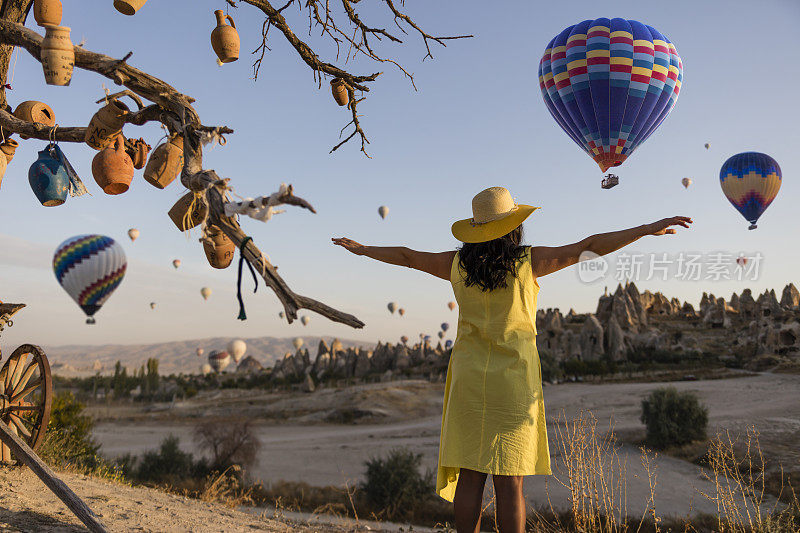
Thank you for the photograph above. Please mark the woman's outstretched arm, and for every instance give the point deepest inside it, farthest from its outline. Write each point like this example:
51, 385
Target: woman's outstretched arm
437, 264
547, 260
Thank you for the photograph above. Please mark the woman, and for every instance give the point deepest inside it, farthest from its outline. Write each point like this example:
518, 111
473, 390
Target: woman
493, 420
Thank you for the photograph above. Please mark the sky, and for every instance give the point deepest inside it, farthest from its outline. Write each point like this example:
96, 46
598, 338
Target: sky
477, 120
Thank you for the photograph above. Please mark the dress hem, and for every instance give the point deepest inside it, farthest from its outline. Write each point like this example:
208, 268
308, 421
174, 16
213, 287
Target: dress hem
488, 471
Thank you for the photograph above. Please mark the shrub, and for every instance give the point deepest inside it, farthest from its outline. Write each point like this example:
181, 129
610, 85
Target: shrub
68, 440
230, 442
394, 483
169, 464
673, 418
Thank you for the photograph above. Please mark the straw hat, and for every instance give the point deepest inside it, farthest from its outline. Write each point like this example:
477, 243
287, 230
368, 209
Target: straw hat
494, 214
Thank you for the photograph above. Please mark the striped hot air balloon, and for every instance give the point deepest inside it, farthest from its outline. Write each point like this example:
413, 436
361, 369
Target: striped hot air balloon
609, 83
750, 181
89, 268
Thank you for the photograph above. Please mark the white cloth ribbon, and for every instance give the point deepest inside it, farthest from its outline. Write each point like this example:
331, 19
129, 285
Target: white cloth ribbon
261, 208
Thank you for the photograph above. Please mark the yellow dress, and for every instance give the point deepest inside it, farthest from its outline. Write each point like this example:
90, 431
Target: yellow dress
493, 417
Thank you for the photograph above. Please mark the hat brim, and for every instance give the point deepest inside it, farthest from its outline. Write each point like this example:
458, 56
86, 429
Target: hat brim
466, 231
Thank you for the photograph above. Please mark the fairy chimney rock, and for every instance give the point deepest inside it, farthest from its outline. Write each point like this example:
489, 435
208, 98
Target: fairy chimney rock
790, 298
591, 338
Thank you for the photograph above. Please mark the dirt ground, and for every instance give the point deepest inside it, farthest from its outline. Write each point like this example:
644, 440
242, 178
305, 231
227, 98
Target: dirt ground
299, 445
26, 505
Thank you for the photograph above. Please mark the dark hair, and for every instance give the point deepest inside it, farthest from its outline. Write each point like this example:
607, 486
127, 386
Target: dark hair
487, 264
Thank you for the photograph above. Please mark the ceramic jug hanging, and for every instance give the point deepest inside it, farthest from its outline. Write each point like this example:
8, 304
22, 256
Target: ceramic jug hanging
339, 90
3, 166
179, 213
218, 247
37, 112
47, 12
128, 7
225, 39
139, 153
166, 163
106, 124
57, 55
49, 179
9, 148
112, 168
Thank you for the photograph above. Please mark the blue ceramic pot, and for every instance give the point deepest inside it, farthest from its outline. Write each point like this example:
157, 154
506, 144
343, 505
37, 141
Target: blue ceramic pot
49, 179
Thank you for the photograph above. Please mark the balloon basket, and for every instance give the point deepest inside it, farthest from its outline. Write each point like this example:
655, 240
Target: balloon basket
752, 226
91, 320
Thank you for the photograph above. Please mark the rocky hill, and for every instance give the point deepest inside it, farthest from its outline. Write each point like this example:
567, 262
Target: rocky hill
624, 322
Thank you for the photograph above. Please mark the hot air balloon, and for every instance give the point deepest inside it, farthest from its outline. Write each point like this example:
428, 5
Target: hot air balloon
741, 261
133, 234
401, 311
426, 338
686, 182
445, 326
281, 315
383, 211
89, 268
205, 292
448, 344
391, 306
219, 360
176, 263
199, 352
236, 349
451, 305
609, 83
297, 342
305, 320
441, 334
205, 368
707, 146
750, 181
152, 305
404, 339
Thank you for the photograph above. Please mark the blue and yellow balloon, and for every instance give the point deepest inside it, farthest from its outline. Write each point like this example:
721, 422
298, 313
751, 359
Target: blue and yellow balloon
750, 181
609, 83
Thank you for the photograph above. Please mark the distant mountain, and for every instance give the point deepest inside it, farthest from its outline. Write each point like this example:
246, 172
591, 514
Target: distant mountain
174, 357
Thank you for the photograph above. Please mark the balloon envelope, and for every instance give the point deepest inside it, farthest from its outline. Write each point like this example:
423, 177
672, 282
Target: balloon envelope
451, 305
750, 181
305, 320
404, 339
205, 368
383, 211
448, 344
391, 306
89, 268
176, 263
237, 348
199, 352
133, 234
609, 83
219, 360
297, 342
445, 326
686, 182
441, 334
281, 314
401, 311
205, 292
741, 261
707, 146
152, 305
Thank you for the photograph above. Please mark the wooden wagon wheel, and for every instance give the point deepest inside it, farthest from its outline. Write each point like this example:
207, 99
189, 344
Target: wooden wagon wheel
26, 393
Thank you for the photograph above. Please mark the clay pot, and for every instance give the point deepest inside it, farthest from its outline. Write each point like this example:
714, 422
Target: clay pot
165, 164
225, 39
218, 247
57, 55
47, 12
339, 90
179, 211
49, 179
106, 124
33, 111
112, 168
128, 7
139, 155
9, 147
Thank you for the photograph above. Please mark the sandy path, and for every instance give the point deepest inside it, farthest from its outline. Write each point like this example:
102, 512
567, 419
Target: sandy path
26, 505
334, 454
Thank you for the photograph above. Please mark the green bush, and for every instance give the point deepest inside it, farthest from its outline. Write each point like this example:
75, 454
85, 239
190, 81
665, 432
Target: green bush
169, 464
68, 440
673, 418
395, 484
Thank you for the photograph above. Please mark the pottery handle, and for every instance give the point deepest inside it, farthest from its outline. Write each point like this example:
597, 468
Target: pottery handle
119, 143
230, 19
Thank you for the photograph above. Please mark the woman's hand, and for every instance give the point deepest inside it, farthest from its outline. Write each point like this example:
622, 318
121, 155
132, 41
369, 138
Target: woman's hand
349, 245
662, 227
